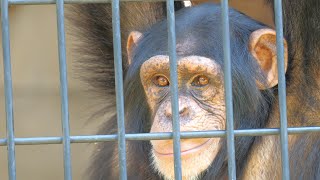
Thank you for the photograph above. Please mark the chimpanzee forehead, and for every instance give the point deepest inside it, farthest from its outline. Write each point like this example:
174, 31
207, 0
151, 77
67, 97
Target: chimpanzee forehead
198, 32
189, 64
188, 43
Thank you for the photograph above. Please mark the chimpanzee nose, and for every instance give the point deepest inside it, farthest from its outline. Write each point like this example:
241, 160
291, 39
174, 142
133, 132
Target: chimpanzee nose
183, 109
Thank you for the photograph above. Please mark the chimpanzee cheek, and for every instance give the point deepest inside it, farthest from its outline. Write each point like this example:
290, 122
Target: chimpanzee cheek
161, 123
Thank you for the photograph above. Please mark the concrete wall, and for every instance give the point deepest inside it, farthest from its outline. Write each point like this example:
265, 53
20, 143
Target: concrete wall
35, 74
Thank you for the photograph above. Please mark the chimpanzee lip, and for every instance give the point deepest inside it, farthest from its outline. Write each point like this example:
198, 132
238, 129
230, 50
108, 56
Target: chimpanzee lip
187, 151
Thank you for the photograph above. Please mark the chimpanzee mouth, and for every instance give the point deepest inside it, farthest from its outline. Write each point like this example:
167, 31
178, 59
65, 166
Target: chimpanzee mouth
186, 151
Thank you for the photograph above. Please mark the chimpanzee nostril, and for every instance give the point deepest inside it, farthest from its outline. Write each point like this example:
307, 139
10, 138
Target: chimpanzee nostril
183, 110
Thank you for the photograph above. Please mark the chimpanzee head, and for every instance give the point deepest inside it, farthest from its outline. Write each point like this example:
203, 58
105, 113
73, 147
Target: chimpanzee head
201, 87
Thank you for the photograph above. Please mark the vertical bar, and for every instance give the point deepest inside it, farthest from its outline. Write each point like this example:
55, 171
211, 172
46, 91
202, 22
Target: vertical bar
119, 87
282, 92
8, 88
228, 90
174, 89
64, 91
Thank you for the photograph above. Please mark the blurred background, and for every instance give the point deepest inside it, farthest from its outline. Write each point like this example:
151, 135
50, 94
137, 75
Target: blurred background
35, 75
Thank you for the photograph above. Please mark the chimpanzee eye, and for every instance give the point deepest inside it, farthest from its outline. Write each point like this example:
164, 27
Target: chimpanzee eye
161, 81
200, 81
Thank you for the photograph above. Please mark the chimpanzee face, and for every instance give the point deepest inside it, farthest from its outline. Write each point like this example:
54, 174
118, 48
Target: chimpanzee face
201, 107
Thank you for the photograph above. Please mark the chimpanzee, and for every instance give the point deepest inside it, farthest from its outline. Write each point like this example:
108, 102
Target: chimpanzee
201, 94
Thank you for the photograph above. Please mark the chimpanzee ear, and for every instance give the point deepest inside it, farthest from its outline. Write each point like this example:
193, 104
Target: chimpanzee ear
132, 43
263, 47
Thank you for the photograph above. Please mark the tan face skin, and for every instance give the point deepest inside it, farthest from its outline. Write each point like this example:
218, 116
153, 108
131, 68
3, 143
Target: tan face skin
201, 108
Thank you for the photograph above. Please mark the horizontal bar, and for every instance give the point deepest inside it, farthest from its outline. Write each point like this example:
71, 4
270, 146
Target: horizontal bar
39, 2
157, 136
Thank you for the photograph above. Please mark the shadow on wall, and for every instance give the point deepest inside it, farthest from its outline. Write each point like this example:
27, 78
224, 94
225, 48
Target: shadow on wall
35, 75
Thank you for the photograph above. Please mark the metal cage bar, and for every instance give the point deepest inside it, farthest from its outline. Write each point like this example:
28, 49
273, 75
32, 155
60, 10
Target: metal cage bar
174, 89
156, 136
8, 88
282, 91
119, 88
10, 141
228, 90
64, 91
